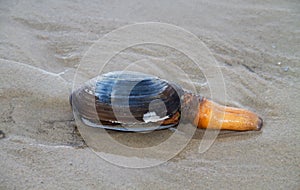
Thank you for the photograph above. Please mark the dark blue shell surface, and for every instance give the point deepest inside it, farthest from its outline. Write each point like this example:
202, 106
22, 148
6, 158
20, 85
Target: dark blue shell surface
130, 99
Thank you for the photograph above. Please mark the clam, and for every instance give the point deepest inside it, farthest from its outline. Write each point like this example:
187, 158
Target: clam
132, 101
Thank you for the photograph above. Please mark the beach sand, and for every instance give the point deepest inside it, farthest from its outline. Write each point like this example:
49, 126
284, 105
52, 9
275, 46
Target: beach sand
257, 47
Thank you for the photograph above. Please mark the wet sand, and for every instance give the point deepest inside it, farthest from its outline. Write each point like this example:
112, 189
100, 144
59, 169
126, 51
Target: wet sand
256, 45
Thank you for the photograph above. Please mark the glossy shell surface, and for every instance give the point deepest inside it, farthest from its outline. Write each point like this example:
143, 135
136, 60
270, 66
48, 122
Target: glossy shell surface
127, 101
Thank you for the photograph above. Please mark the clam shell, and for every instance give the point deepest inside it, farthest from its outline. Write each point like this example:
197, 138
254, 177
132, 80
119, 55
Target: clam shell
127, 101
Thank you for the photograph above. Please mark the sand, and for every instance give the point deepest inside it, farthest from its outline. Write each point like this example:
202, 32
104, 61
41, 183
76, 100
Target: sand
256, 45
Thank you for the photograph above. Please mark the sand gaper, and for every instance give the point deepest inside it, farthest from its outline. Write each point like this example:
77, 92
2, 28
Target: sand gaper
132, 101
